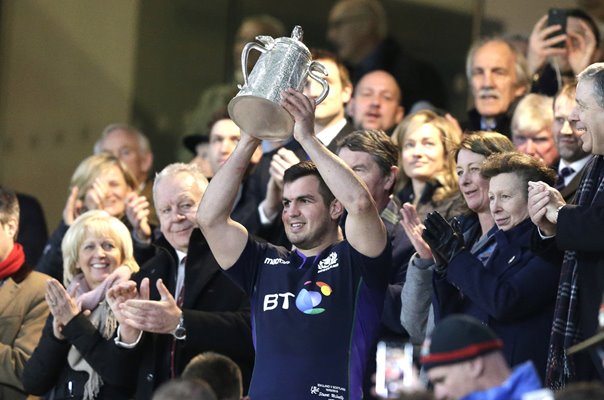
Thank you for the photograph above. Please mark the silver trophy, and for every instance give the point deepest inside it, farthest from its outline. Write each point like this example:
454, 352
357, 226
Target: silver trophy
284, 63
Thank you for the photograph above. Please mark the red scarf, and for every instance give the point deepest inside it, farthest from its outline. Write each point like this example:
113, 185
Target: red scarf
13, 262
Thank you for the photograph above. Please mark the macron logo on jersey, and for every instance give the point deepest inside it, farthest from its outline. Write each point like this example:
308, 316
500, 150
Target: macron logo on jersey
275, 261
328, 263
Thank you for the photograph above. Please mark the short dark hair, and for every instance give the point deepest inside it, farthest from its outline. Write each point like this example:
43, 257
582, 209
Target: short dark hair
528, 168
9, 205
375, 142
218, 115
308, 168
220, 372
322, 54
179, 389
485, 143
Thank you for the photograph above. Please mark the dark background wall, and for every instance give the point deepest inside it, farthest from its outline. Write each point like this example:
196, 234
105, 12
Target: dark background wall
185, 46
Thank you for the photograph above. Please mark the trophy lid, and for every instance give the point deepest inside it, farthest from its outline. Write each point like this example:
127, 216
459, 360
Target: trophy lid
295, 39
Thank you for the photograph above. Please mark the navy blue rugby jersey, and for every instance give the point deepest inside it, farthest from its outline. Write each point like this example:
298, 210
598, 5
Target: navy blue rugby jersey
314, 319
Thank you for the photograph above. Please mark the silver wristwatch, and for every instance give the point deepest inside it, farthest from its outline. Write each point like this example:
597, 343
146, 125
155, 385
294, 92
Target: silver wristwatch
180, 332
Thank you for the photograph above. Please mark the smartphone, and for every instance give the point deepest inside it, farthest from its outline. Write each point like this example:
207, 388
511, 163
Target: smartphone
394, 369
557, 16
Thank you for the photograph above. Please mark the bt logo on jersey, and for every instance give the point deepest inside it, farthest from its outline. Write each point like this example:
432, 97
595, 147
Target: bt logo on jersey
271, 301
306, 300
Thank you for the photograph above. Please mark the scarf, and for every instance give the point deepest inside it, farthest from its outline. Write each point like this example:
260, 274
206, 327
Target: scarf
101, 317
565, 330
12, 262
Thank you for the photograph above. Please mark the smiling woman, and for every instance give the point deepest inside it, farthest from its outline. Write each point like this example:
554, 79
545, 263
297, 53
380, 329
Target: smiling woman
74, 356
495, 278
100, 182
427, 176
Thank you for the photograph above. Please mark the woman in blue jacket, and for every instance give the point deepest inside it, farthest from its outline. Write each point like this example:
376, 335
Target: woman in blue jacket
503, 283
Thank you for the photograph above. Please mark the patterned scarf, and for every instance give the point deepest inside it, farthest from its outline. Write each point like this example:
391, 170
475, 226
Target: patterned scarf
101, 317
565, 329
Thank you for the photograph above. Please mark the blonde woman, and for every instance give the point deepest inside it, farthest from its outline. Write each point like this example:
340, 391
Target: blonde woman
100, 182
76, 357
427, 177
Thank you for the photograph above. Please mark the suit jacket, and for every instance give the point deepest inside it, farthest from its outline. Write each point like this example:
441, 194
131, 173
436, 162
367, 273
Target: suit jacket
514, 293
503, 121
33, 232
216, 315
23, 311
580, 228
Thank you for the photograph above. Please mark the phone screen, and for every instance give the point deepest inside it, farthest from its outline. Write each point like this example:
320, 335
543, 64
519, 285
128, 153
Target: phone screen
557, 16
394, 370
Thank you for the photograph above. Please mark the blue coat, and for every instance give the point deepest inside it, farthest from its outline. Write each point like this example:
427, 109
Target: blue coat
514, 293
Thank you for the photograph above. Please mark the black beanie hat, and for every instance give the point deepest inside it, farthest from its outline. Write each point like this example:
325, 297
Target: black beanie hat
458, 338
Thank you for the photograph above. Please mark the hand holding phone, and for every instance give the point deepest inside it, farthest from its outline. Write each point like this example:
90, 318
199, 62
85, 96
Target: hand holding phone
395, 373
557, 16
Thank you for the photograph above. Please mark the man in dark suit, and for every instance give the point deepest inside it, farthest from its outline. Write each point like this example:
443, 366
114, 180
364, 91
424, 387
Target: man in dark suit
573, 159
184, 304
577, 230
498, 76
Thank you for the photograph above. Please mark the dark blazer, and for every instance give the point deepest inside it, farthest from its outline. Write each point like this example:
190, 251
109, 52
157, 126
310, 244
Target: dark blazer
503, 122
580, 229
514, 293
48, 372
33, 232
216, 316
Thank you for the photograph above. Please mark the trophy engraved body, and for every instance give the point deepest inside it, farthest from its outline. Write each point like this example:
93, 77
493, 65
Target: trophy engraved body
284, 63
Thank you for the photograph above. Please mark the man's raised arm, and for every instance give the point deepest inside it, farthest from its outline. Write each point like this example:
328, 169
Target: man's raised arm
226, 238
365, 230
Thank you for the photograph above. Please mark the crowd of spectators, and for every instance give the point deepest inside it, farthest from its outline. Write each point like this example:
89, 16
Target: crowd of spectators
272, 269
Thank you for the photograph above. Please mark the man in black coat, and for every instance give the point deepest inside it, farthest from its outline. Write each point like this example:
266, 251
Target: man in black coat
573, 159
498, 76
576, 229
193, 307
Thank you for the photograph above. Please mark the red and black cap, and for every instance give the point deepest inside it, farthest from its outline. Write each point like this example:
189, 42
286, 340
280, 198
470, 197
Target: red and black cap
458, 338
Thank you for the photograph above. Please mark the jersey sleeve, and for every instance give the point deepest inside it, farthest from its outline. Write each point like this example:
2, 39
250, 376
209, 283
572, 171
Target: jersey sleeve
374, 270
244, 271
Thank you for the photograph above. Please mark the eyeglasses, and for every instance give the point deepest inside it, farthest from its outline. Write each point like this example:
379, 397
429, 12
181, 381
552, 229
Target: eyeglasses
340, 22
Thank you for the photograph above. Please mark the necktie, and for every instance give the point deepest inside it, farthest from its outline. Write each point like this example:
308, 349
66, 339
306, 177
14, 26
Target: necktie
180, 298
562, 175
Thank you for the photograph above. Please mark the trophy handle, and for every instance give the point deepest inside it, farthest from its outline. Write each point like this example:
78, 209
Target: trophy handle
244, 55
318, 67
